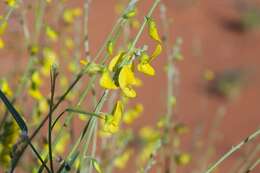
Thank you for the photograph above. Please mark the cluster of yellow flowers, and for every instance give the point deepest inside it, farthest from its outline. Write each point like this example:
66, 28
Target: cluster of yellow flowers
120, 71
120, 74
8, 137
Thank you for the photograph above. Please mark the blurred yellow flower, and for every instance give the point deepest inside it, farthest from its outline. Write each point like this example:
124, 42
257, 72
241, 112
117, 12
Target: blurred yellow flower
35, 93
69, 15
121, 161
2, 43
3, 25
149, 134
132, 114
183, 159
51, 33
208, 75
11, 3
112, 122
49, 58
6, 88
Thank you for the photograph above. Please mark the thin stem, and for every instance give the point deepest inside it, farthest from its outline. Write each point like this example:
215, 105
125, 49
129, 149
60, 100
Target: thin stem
38, 155
232, 150
253, 166
85, 28
53, 84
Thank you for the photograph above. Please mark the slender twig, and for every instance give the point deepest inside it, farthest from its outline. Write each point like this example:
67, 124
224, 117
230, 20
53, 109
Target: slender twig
38, 155
253, 166
232, 150
85, 28
53, 75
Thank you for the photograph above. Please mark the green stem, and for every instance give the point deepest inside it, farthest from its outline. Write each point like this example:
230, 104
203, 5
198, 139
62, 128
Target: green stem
233, 150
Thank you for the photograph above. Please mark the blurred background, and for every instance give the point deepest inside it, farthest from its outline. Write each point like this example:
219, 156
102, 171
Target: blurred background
218, 86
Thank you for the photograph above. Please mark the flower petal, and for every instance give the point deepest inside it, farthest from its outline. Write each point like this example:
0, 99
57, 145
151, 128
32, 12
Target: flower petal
106, 81
153, 32
156, 52
146, 68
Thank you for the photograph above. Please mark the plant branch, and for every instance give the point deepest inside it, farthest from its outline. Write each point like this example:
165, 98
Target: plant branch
233, 150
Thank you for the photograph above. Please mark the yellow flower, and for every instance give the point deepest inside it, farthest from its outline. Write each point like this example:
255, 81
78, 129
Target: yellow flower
3, 25
112, 122
6, 88
183, 159
69, 15
35, 93
106, 80
11, 3
61, 144
50, 58
69, 43
115, 61
156, 52
43, 105
2, 43
152, 29
126, 79
51, 33
36, 79
144, 65
209, 75
149, 134
132, 114
121, 161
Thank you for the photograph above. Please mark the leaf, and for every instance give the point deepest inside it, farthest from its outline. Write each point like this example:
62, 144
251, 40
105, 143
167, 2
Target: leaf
110, 47
130, 14
19, 120
83, 112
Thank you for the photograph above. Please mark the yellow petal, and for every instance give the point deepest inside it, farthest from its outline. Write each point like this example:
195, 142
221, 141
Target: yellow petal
115, 61
126, 79
156, 52
126, 76
133, 114
36, 79
106, 81
146, 68
153, 31
117, 113
36, 94
6, 88
3, 25
2, 43
129, 92
121, 161
11, 3
51, 33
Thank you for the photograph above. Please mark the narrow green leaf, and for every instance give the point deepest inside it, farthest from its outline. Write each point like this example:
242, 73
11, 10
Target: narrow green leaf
19, 120
84, 113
